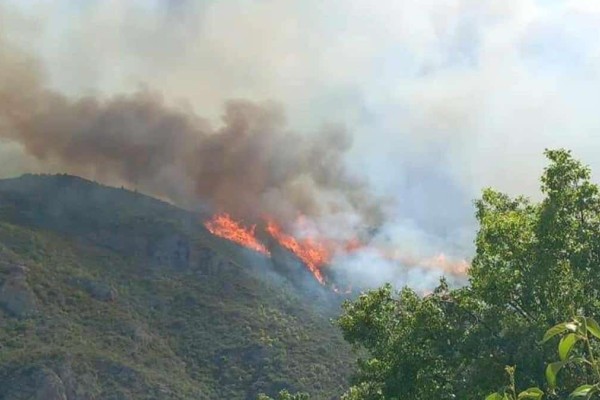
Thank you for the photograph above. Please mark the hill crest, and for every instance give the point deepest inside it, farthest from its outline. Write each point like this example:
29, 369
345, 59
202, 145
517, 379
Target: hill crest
108, 293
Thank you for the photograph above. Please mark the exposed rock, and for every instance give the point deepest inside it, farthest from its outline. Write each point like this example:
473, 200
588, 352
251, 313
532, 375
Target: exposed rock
16, 295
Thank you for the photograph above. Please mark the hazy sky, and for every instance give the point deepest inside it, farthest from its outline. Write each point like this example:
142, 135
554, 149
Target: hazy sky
443, 97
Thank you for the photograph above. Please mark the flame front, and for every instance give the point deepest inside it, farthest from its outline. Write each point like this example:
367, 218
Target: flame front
312, 253
224, 226
456, 267
309, 251
315, 251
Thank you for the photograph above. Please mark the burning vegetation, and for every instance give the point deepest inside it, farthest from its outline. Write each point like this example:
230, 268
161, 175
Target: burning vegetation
315, 252
224, 226
251, 165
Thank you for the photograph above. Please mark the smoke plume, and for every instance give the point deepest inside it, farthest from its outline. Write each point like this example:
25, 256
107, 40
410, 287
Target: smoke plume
250, 166
440, 98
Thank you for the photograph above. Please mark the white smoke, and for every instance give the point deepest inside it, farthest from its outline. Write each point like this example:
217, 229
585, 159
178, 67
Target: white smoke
442, 97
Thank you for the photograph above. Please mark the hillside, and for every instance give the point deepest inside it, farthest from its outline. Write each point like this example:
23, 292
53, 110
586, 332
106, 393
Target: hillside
109, 294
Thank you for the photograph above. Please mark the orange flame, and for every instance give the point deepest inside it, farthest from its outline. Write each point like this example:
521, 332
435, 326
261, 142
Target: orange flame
309, 251
456, 267
316, 252
224, 226
353, 245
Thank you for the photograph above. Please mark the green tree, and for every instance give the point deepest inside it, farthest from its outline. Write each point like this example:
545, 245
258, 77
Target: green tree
285, 395
534, 264
575, 352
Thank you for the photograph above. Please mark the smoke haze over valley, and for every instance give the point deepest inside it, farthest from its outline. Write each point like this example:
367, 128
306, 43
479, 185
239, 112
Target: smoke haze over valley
381, 121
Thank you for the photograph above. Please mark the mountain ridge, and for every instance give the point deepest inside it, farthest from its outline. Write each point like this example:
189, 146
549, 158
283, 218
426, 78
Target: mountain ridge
112, 287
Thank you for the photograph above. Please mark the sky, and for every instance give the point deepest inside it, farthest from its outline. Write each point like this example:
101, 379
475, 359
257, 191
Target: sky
442, 97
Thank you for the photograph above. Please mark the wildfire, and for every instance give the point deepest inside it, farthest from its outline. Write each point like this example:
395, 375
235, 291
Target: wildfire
309, 251
224, 226
316, 252
457, 267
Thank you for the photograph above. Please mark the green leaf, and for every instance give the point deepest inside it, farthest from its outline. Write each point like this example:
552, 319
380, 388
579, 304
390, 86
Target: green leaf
494, 396
582, 391
555, 330
531, 393
551, 372
576, 360
593, 327
566, 344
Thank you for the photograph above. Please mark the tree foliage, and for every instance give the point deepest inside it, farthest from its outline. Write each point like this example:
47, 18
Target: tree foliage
535, 264
285, 395
575, 351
